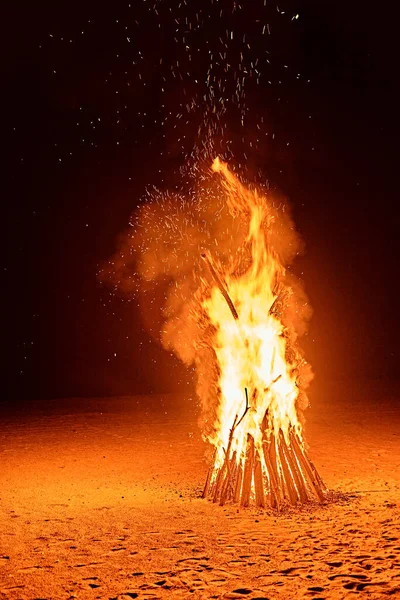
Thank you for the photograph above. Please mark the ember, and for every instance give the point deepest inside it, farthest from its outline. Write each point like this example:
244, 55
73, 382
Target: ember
260, 454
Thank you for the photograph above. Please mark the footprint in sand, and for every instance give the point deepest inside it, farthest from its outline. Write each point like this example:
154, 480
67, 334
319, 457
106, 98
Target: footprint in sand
32, 569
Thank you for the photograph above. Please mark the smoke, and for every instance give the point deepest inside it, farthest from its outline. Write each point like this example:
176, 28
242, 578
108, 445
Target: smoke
158, 261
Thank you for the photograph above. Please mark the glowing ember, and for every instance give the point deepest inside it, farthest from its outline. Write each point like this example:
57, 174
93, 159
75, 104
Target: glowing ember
259, 452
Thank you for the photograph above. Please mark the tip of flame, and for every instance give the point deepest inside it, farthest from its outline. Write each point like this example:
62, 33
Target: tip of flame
216, 165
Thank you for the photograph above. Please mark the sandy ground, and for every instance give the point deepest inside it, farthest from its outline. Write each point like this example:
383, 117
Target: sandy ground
100, 498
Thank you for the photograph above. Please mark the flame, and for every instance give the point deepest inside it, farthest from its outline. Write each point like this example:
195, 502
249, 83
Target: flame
258, 362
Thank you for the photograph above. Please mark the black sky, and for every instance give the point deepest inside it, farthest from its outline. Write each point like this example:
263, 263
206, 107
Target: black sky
73, 175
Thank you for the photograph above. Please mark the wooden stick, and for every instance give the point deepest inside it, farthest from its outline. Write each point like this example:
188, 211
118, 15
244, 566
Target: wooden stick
317, 475
273, 481
226, 466
270, 463
218, 281
248, 471
275, 467
238, 485
218, 482
293, 496
295, 471
227, 486
247, 406
307, 467
234, 473
236, 423
258, 481
209, 476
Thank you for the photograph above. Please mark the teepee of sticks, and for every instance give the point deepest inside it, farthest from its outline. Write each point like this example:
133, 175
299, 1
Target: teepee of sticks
260, 457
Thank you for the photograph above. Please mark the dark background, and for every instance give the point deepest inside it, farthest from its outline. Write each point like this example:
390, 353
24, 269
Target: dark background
80, 152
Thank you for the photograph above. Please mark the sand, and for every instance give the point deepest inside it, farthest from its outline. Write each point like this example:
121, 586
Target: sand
100, 498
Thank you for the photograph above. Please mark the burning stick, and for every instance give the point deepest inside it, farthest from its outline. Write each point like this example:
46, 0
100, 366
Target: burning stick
270, 458
258, 482
218, 281
236, 423
273, 478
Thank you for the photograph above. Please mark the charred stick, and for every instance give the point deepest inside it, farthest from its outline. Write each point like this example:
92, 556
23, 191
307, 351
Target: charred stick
246, 409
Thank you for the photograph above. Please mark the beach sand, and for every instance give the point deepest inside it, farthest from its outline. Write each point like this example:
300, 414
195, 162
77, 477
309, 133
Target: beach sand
100, 498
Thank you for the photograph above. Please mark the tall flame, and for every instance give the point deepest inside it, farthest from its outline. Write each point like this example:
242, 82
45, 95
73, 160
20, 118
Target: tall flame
258, 362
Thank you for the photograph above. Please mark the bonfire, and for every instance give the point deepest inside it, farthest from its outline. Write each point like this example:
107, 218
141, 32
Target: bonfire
260, 456
218, 259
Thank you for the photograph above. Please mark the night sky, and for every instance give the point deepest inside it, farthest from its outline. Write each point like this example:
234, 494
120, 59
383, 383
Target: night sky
92, 117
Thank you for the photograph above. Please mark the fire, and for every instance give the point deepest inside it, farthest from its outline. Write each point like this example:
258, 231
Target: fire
259, 364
